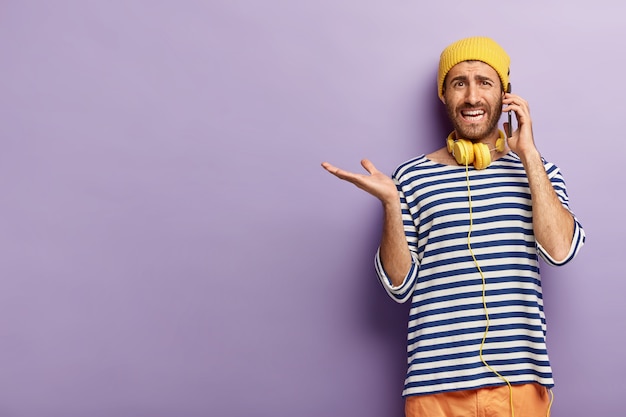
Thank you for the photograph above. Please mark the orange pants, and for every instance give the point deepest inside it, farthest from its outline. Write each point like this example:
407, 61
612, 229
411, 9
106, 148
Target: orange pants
529, 400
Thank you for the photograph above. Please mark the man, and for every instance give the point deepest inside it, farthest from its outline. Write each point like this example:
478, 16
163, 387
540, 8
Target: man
462, 242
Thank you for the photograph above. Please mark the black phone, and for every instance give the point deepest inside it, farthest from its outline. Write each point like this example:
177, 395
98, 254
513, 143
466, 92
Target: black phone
510, 132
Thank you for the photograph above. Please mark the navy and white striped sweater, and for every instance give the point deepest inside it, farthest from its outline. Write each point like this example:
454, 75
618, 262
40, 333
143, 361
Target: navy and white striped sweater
447, 320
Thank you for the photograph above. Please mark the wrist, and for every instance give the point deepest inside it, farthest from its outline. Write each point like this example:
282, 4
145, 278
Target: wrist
529, 155
392, 204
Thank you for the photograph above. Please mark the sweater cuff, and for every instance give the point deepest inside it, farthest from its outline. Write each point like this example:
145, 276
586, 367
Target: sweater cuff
577, 242
402, 292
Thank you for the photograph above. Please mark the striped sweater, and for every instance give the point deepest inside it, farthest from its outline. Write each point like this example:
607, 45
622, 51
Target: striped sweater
447, 319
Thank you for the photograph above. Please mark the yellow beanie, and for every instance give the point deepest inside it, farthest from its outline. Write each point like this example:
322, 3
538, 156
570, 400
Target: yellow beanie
474, 49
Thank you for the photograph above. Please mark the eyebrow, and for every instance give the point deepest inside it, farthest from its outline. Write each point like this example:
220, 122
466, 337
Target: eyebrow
477, 77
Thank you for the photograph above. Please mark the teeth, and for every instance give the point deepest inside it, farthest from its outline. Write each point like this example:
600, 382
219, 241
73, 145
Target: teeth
473, 115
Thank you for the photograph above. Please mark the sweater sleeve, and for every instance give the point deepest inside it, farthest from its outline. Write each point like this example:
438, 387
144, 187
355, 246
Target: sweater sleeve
578, 237
402, 292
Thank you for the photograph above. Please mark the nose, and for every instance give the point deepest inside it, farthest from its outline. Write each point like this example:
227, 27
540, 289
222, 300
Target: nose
471, 96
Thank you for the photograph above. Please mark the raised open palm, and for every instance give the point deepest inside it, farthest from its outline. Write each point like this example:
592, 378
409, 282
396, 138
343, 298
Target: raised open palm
376, 183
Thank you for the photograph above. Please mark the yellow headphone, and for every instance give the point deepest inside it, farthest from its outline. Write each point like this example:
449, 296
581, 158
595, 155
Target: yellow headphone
467, 152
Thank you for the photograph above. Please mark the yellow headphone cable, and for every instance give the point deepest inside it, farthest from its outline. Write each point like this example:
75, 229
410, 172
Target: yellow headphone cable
484, 301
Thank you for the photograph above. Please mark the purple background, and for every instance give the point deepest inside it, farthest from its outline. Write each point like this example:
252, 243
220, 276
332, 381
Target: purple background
170, 245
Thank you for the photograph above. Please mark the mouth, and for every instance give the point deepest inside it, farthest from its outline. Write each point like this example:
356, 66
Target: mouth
473, 115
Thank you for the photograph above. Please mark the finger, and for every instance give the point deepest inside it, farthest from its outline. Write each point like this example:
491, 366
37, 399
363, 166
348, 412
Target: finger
509, 97
369, 166
340, 173
522, 115
517, 105
328, 167
513, 106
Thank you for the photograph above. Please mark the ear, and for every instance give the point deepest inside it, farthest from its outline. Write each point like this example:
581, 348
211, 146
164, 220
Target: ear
507, 90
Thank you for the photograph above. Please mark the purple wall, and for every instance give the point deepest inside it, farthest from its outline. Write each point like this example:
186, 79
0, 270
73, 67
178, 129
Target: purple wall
171, 246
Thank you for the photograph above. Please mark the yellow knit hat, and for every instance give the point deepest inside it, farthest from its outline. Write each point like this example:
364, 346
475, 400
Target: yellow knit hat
474, 49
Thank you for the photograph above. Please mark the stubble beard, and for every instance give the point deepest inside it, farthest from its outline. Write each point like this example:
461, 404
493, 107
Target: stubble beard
474, 131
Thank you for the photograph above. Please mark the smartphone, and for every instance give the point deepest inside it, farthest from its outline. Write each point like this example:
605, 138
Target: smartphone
510, 132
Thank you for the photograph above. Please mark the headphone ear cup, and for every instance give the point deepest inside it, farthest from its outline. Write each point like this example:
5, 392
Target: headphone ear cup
482, 156
463, 152
500, 145
500, 142
450, 144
